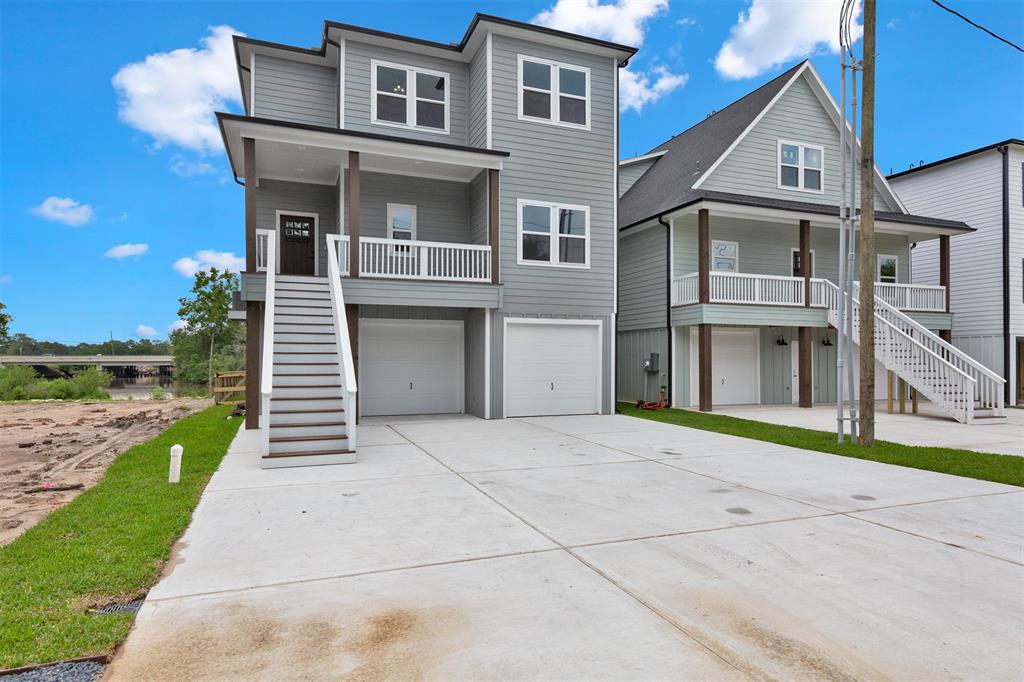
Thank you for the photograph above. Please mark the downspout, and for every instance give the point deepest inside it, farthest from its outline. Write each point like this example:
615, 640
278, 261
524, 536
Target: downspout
1005, 151
668, 307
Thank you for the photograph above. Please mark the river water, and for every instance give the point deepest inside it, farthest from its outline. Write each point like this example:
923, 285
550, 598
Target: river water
141, 388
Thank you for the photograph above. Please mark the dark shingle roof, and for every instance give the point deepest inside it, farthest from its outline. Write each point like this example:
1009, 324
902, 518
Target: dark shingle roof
666, 185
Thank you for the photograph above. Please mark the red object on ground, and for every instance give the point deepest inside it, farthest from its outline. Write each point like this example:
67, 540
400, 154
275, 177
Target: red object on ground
645, 405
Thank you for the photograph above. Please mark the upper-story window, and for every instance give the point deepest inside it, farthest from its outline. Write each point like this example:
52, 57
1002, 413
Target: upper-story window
801, 166
409, 97
553, 92
553, 234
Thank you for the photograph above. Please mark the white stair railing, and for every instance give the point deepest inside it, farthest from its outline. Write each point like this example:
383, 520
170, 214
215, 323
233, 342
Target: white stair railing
267, 361
989, 386
337, 244
903, 353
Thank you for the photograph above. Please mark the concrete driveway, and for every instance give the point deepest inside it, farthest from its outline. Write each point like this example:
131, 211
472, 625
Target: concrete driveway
586, 548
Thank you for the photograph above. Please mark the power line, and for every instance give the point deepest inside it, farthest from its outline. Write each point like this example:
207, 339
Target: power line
979, 26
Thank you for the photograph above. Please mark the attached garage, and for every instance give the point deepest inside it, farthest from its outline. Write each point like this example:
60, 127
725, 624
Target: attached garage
552, 367
411, 367
735, 366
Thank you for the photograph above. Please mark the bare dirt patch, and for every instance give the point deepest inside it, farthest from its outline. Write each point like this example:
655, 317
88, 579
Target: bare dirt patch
51, 451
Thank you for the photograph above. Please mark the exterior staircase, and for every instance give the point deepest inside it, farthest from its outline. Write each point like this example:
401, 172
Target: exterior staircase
307, 377
959, 385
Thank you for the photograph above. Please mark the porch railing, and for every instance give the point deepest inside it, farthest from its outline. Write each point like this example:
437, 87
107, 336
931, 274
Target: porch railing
735, 287
404, 259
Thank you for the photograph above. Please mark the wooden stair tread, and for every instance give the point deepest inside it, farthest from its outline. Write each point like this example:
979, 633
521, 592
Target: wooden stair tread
312, 411
297, 425
312, 397
302, 439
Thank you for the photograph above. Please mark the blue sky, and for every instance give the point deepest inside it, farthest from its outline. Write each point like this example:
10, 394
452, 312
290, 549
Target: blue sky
943, 87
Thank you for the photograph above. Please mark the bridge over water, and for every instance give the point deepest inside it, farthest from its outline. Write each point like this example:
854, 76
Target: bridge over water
99, 360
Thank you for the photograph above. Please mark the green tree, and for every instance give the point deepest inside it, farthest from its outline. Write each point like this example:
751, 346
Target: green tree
5, 322
206, 312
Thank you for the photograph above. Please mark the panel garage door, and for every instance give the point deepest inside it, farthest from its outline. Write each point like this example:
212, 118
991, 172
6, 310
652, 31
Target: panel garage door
734, 367
552, 369
410, 367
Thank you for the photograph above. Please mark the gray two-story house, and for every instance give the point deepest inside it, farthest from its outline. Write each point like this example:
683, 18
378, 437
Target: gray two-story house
729, 252
429, 228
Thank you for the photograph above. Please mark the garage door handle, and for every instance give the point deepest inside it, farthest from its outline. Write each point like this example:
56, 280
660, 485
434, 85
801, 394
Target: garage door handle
410, 385
552, 385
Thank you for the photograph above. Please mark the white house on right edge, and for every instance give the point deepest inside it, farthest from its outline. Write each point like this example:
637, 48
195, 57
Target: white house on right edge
985, 189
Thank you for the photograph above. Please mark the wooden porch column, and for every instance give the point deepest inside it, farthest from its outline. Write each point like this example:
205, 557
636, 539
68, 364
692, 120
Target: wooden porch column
253, 309
353, 214
704, 263
805, 259
493, 222
704, 367
352, 316
944, 277
806, 353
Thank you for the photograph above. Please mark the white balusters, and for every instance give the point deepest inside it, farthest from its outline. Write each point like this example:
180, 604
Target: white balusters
405, 259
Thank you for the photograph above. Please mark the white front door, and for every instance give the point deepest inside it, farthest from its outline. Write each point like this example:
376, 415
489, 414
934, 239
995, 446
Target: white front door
410, 367
735, 366
552, 368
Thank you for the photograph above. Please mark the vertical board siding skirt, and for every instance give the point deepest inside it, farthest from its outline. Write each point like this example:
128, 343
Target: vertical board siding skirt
252, 308
704, 367
806, 351
493, 222
703, 257
353, 214
352, 313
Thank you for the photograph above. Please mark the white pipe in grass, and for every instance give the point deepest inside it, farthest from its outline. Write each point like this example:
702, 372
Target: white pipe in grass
175, 474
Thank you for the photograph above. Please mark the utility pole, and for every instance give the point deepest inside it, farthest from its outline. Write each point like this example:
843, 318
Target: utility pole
867, 233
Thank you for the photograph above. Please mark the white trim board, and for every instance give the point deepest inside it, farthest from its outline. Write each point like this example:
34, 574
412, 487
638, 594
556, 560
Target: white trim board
316, 236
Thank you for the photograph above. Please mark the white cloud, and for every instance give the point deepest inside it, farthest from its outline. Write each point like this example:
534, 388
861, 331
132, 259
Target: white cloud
176, 325
891, 24
172, 95
206, 259
687, 21
64, 210
6, 279
145, 331
122, 251
621, 21
770, 33
636, 90
186, 169
122, 218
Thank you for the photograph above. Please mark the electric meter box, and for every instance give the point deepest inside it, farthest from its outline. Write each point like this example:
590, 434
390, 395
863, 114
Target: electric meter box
651, 363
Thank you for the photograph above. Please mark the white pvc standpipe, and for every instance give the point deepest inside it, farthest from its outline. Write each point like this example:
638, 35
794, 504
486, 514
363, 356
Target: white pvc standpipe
175, 473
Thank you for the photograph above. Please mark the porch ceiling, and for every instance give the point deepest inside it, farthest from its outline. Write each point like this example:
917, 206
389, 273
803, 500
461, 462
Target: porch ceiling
315, 154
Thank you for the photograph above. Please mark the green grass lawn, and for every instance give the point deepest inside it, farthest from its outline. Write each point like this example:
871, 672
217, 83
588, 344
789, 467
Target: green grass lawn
981, 465
109, 544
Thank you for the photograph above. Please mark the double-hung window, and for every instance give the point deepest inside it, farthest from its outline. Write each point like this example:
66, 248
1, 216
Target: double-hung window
725, 256
553, 234
801, 166
887, 268
554, 92
409, 97
401, 225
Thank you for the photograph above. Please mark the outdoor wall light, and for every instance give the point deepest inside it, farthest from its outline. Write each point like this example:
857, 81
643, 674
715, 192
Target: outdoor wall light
827, 342
781, 341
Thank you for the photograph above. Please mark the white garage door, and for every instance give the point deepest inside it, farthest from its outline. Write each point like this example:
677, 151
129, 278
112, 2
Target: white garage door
552, 369
410, 367
734, 367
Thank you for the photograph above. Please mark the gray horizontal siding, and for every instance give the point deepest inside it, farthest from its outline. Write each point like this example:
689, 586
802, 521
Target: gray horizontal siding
557, 164
798, 116
632, 383
628, 175
281, 195
295, 91
442, 206
476, 133
643, 280
749, 315
478, 233
394, 292
357, 91
398, 312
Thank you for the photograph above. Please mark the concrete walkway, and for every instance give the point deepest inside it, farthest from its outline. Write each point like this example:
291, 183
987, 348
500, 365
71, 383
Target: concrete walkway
586, 548
929, 427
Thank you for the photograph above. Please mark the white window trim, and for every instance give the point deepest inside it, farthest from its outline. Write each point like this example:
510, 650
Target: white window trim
553, 235
391, 214
410, 97
711, 255
814, 261
316, 236
800, 167
555, 94
878, 268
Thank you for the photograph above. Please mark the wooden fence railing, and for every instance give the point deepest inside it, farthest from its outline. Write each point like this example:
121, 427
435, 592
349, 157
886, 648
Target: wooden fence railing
229, 388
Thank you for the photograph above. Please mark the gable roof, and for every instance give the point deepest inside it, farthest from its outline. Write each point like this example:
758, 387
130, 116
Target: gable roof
686, 157
957, 157
675, 179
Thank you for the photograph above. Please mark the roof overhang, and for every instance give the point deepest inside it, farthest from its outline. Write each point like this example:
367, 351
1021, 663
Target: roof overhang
322, 152
653, 156
742, 208
980, 150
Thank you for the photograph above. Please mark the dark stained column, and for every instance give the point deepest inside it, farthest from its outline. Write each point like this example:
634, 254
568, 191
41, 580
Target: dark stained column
353, 214
493, 231
253, 309
352, 316
704, 367
806, 353
704, 259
